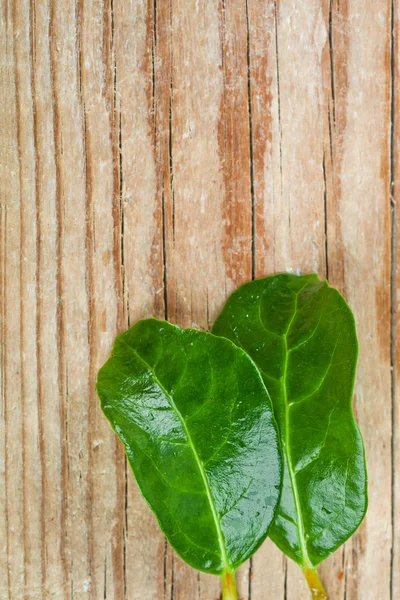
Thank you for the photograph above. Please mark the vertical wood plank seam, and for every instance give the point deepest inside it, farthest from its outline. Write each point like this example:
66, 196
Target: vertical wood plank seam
278, 89
125, 526
153, 76
116, 144
331, 128
165, 567
32, 23
89, 276
172, 595
325, 217
154, 55
62, 364
208, 311
332, 61
223, 32
223, 65
393, 269
21, 328
3, 211
163, 220
115, 125
3, 232
252, 194
125, 297
4, 382
164, 250
121, 188
23, 406
163, 223
330, 138
125, 292
172, 192
344, 572
105, 577
285, 581
253, 202
171, 162
331, 120
250, 576
80, 65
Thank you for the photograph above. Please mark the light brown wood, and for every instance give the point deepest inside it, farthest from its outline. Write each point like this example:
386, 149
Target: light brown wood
153, 156
395, 297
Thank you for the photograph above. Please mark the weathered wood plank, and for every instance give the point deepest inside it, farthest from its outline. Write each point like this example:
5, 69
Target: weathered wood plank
268, 571
31, 435
47, 295
208, 204
289, 175
13, 570
194, 202
105, 468
395, 296
142, 252
357, 153
74, 294
287, 111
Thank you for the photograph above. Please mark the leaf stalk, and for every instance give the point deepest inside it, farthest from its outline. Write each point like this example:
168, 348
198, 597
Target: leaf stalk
315, 585
229, 591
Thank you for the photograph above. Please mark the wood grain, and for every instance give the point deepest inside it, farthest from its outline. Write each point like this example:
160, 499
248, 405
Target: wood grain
360, 245
153, 156
395, 296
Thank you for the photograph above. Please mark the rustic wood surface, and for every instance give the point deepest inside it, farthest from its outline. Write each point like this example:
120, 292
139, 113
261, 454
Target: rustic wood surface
155, 154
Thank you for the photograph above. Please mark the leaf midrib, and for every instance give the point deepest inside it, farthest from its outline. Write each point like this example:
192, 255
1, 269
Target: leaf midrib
292, 475
196, 457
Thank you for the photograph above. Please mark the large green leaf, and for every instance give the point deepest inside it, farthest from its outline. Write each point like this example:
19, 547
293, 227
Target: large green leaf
199, 432
301, 334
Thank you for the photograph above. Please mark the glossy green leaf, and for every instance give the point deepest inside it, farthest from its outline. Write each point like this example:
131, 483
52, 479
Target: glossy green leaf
199, 433
301, 334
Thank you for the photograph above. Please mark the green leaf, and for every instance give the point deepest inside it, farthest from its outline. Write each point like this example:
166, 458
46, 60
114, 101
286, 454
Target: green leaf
199, 433
301, 334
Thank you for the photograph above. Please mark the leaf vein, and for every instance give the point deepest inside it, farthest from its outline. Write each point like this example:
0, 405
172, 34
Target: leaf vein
314, 458
293, 348
325, 375
196, 458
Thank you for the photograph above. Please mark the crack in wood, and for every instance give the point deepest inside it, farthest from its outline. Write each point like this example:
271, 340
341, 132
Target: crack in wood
165, 567
170, 125
332, 60
325, 218
393, 299
285, 580
252, 194
278, 86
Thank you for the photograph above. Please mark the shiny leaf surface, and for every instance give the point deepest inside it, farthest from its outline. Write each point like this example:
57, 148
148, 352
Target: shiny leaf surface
199, 433
301, 334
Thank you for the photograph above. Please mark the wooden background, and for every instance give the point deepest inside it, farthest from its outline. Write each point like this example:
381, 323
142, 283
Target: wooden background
154, 154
